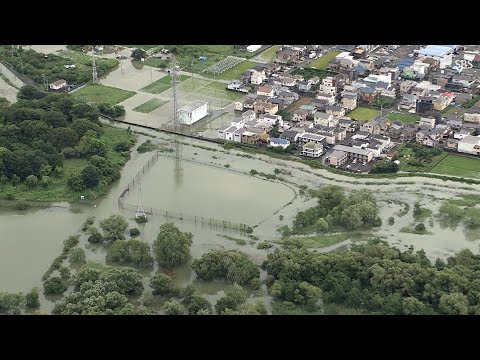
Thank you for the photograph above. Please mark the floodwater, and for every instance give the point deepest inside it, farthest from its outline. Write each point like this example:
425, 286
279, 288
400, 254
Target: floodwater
30, 240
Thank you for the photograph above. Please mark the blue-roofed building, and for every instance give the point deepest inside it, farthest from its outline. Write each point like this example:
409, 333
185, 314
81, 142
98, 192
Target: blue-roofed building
277, 142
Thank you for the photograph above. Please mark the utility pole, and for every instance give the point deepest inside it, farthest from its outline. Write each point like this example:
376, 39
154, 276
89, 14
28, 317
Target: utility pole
174, 74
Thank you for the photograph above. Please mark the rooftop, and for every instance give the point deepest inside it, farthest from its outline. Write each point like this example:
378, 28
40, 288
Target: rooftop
193, 106
350, 149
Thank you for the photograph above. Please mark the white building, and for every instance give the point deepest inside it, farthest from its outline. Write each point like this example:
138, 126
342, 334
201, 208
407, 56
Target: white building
253, 48
442, 53
277, 142
469, 145
193, 112
57, 85
312, 149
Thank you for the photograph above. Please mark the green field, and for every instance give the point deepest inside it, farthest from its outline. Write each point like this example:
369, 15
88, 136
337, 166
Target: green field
269, 54
218, 90
190, 85
59, 190
322, 62
404, 118
425, 166
320, 241
234, 73
453, 111
458, 166
161, 85
363, 114
98, 94
150, 105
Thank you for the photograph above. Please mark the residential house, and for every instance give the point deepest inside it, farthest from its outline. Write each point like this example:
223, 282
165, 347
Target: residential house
287, 56
330, 99
346, 124
472, 115
310, 108
229, 133
367, 94
335, 110
465, 80
451, 144
332, 134
309, 137
265, 90
288, 81
424, 104
238, 105
299, 115
221, 133
288, 97
319, 104
263, 108
353, 153
324, 119
337, 158
238, 122
312, 149
276, 100
304, 86
249, 115
257, 77
237, 135
407, 85
462, 98
427, 121
328, 86
349, 101
248, 103
408, 102
315, 80
469, 145
377, 127
249, 137
57, 85
463, 132
272, 119
290, 135
455, 123
279, 142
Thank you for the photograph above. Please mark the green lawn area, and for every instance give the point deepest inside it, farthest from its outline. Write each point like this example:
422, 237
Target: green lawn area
322, 62
150, 105
453, 111
98, 94
458, 166
404, 118
234, 73
219, 90
269, 54
363, 114
426, 166
161, 85
59, 190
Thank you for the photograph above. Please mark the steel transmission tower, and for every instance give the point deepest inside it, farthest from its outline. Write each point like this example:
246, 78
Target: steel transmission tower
140, 213
94, 69
174, 74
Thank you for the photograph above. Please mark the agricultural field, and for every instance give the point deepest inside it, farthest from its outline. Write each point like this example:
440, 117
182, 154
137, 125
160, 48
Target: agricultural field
269, 54
150, 105
161, 85
322, 62
99, 94
458, 166
404, 118
363, 114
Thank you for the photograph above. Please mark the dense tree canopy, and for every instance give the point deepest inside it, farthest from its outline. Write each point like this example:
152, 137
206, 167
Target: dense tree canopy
132, 252
231, 265
378, 278
172, 247
114, 228
162, 285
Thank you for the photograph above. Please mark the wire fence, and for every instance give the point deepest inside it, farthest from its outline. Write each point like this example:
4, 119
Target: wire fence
214, 223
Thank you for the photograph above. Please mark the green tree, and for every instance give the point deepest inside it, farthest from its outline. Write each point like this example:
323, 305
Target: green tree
46, 181
31, 299
321, 225
54, 286
420, 227
453, 304
162, 285
172, 247
413, 306
90, 176
75, 182
134, 232
31, 181
28, 92
138, 54
225, 303
11, 304
198, 305
128, 281
77, 256
173, 308
472, 218
130, 252
114, 228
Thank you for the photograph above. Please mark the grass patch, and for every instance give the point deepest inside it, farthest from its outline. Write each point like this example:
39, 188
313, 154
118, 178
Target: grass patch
325, 240
147, 146
234, 73
219, 90
415, 164
270, 54
285, 308
404, 118
99, 94
411, 230
466, 200
59, 190
458, 166
296, 104
420, 213
96, 266
363, 114
161, 85
404, 211
453, 111
237, 240
150, 105
322, 62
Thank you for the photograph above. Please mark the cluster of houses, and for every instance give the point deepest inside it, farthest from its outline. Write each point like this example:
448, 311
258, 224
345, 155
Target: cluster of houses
424, 84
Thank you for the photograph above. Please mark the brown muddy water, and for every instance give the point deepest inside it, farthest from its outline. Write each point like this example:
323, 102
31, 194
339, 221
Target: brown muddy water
30, 240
